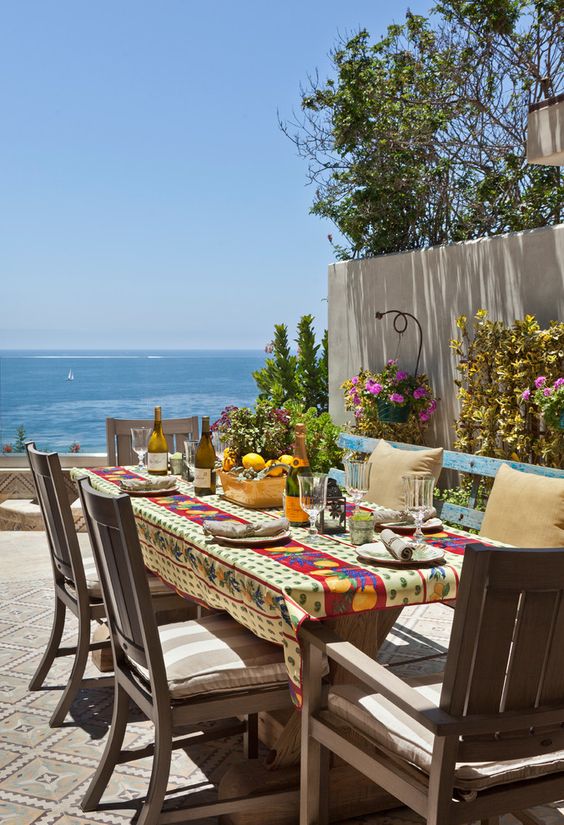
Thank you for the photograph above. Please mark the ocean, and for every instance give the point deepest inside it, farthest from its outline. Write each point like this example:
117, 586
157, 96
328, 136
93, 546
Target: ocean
56, 412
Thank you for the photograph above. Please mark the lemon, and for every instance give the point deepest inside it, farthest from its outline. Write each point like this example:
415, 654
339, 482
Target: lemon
274, 473
253, 461
285, 459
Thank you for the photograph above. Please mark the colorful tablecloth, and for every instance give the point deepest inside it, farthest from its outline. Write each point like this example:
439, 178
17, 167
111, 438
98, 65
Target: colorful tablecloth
271, 590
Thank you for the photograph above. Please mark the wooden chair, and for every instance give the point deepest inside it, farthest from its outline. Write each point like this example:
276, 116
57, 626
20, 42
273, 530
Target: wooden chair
488, 738
118, 436
179, 675
76, 583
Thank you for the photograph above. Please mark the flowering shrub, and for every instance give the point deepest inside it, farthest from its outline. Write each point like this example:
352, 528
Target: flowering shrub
548, 397
7, 448
397, 387
265, 430
74, 447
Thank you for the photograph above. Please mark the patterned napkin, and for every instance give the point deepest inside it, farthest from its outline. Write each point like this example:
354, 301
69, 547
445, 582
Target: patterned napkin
137, 485
396, 546
235, 530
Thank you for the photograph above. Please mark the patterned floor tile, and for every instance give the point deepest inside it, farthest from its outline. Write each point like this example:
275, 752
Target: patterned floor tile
46, 778
13, 814
22, 728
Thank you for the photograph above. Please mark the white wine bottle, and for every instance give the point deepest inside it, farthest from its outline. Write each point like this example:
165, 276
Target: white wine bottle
300, 464
204, 462
157, 452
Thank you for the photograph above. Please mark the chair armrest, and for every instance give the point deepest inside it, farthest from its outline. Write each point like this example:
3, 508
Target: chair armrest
379, 679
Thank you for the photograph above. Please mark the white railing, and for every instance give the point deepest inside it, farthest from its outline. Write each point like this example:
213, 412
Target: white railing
18, 461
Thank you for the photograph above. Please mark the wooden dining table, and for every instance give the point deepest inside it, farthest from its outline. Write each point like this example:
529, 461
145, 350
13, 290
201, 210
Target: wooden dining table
273, 590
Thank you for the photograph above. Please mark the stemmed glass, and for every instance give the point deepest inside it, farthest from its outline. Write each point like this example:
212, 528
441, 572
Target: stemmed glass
140, 443
357, 479
418, 491
313, 498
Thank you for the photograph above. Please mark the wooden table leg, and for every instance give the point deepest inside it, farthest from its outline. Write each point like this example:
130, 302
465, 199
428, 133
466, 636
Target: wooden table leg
349, 790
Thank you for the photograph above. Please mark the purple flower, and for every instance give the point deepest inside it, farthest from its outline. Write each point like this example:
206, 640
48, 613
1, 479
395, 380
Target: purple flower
424, 416
374, 388
354, 380
391, 362
357, 413
356, 399
397, 398
419, 392
547, 391
525, 395
432, 407
401, 376
559, 383
540, 382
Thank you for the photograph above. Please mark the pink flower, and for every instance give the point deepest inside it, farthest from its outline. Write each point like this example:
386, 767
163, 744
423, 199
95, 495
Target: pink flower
357, 413
354, 380
374, 388
559, 383
432, 407
397, 398
419, 392
424, 416
540, 382
391, 362
525, 395
401, 376
547, 391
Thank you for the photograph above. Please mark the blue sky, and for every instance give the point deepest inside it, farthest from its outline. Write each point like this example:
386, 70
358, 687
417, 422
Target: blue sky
147, 195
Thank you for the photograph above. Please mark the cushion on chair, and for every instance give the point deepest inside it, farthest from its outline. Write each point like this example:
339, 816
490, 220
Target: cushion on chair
215, 654
525, 510
398, 734
388, 466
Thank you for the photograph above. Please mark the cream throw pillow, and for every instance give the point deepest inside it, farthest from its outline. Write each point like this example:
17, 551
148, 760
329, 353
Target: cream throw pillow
525, 510
388, 466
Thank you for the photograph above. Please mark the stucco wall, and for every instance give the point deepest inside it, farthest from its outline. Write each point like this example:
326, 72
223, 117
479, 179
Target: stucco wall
509, 275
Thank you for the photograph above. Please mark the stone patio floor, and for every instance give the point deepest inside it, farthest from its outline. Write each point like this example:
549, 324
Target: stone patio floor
44, 772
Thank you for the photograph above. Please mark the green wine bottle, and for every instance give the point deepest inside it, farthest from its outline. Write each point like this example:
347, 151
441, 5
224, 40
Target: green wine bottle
204, 462
300, 464
157, 451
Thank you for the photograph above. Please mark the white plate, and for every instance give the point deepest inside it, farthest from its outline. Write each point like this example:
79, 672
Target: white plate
376, 553
405, 528
253, 541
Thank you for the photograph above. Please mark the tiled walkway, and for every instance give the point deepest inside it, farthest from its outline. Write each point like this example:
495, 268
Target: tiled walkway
44, 772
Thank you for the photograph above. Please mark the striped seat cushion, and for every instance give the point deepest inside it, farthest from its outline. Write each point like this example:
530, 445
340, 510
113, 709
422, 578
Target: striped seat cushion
401, 736
215, 654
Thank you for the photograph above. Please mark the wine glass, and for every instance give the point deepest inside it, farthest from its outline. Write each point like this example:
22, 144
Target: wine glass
357, 479
418, 491
140, 444
313, 498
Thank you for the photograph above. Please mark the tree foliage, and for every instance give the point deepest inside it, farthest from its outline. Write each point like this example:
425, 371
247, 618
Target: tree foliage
302, 377
420, 138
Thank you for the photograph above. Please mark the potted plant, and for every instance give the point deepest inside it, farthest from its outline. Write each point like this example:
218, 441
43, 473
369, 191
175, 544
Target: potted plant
550, 400
391, 396
361, 527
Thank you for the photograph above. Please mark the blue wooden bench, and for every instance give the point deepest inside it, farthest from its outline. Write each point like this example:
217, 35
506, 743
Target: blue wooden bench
474, 465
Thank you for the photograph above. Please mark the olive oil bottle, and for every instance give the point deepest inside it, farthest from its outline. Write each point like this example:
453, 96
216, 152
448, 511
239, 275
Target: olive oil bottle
300, 465
204, 462
157, 451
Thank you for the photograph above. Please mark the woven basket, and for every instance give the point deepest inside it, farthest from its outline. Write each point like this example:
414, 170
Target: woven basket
267, 492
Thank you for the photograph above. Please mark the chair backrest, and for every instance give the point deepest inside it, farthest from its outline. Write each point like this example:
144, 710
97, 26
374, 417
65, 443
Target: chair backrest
57, 515
117, 552
118, 436
505, 652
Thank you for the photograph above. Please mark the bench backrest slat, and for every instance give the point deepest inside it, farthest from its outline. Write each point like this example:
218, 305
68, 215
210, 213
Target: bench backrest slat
474, 465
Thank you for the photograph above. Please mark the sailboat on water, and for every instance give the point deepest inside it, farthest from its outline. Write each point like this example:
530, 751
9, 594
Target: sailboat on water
70, 376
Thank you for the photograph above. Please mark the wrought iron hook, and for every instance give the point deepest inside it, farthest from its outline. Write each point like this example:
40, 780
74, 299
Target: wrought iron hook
401, 322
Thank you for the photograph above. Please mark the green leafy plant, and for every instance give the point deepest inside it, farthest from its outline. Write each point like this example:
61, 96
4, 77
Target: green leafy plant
496, 363
363, 391
418, 138
302, 377
321, 436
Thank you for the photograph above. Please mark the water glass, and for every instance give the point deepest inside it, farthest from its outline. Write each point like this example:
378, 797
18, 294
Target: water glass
418, 491
313, 498
357, 479
140, 444
190, 452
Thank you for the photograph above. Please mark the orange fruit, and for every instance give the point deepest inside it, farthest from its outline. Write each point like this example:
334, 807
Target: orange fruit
337, 585
364, 600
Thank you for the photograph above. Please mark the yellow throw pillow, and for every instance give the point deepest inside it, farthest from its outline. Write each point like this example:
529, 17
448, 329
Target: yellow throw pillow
388, 466
525, 510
